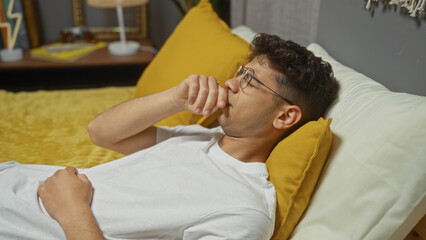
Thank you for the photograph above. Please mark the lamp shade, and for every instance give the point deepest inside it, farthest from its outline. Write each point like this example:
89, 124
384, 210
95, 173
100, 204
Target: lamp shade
116, 3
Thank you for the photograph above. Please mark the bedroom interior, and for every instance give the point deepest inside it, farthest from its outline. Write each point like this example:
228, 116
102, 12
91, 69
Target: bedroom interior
369, 184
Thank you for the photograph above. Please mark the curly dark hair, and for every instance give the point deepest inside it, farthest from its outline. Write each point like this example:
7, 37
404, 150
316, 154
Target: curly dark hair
306, 80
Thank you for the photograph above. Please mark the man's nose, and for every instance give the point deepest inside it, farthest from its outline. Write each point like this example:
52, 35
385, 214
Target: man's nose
233, 84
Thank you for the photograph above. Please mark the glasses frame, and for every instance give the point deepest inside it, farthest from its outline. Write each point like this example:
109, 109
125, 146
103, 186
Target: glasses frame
250, 72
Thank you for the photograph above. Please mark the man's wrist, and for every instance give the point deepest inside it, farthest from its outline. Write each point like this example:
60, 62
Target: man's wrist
174, 101
73, 215
80, 224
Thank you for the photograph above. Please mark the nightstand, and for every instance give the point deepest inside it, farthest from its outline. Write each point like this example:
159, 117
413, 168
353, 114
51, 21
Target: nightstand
98, 69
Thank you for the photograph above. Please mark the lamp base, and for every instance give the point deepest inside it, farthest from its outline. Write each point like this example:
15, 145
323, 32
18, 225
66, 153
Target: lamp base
120, 49
11, 55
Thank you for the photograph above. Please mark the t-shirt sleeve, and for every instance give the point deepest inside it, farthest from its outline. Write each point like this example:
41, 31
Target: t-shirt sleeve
196, 131
243, 224
164, 133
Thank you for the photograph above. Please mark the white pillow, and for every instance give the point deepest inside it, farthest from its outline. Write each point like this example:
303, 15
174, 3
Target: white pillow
375, 177
244, 32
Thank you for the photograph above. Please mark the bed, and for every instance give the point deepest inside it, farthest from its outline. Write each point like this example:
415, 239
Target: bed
363, 173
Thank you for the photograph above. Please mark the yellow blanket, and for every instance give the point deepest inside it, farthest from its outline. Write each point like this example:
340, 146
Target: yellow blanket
49, 127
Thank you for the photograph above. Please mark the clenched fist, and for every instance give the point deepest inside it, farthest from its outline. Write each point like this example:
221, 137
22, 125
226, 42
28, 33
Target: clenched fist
65, 192
200, 94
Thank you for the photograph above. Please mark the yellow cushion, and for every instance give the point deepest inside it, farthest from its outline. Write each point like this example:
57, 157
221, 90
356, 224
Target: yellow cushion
294, 167
201, 44
49, 127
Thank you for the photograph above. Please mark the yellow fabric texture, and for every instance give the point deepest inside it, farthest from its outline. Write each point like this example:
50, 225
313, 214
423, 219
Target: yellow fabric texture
201, 44
49, 127
294, 167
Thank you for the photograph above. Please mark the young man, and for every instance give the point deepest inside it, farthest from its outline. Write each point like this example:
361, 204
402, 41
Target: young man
186, 182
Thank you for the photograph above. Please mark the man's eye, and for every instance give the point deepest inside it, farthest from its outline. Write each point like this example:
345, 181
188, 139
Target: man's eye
246, 78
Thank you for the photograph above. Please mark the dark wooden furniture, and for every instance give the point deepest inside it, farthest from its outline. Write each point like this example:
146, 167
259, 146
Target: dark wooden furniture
97, 69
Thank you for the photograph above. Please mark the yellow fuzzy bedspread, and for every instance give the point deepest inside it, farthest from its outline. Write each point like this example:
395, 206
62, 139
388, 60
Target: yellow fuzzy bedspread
49, 127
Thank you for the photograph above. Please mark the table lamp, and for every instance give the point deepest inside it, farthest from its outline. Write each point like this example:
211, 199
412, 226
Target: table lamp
122, 47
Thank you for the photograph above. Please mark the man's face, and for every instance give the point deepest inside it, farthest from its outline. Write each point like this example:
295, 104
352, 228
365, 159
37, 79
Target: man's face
250, 111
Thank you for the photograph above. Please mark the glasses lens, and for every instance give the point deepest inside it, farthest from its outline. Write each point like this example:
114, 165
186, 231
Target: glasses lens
244, 76
239, 71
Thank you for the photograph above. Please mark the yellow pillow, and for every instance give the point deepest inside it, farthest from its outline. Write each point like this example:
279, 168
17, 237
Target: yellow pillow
294, 167
201, 44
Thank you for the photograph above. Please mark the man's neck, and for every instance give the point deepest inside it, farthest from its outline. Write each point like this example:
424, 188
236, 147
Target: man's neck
247, 149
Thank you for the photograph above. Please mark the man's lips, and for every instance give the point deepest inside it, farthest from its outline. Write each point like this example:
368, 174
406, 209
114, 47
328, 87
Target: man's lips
228, 104
229, 98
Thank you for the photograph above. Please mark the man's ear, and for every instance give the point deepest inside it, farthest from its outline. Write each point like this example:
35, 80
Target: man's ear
287, 117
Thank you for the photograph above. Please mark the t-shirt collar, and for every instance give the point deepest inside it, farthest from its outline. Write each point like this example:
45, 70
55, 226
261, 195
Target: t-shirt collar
218, 154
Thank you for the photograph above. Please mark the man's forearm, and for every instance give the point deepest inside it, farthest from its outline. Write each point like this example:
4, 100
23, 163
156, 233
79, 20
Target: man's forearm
126, 128
131, 117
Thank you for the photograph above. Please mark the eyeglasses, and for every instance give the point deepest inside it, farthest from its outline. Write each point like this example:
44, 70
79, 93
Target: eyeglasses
247, 74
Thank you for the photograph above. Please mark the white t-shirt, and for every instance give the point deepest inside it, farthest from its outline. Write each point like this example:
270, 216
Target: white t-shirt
185, 187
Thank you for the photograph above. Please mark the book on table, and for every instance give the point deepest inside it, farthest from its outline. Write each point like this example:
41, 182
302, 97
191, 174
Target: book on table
65, 52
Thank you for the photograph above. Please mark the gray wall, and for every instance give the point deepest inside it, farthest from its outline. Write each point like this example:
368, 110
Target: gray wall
163, 17
55, 15
388, 47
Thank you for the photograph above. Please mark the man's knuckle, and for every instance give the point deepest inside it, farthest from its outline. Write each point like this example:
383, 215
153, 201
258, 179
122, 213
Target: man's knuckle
204, 81
71, 169
212, 80
194, 85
